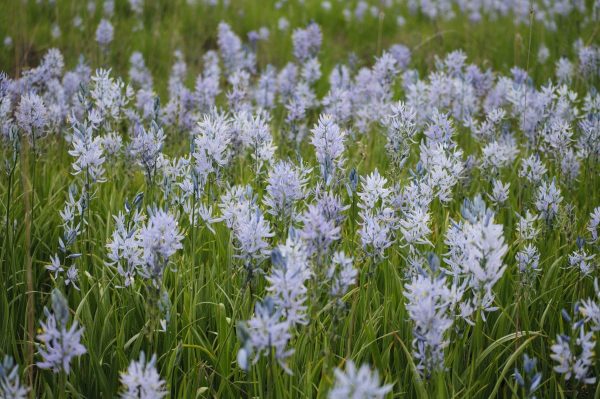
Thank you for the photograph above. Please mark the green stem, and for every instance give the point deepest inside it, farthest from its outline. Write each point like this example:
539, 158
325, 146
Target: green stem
8, 246
63, 385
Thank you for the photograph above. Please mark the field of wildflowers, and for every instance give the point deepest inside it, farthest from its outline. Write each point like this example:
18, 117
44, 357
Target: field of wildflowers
299, 199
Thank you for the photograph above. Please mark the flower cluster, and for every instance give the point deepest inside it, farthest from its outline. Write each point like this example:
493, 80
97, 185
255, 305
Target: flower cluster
60, 343
314, 194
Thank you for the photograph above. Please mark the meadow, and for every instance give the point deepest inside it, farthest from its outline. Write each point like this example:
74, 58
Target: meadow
299, 199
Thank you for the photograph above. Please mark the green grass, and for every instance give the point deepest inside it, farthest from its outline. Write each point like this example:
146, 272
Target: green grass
197, 353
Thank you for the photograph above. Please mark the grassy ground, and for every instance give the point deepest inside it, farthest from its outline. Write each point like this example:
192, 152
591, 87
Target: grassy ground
197, 353
170, 25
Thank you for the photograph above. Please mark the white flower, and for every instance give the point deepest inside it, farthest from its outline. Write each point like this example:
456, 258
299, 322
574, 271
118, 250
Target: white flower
548, 200
374, 191
10, 382
88, 153
60, 345
532, 169
500, 192
265, 330
429, 305
287, 280
32, 115
475, 256
211, 150
55, 265
583, 261
104, 33
142, 381
251, 233
342, 273
108, 96
328, 139
146, 146
594, 224
160, 239
444, 166
574, 355
526, 226
414, 226
357, 384
401, 129
286, 186
590, 309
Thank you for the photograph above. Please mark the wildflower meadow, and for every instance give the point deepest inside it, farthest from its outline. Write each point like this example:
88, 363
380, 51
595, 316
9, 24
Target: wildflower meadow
299, 199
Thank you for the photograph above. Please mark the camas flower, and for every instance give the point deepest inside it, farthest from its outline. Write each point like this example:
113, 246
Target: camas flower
328, 140
401, 54
109, 96
338, 104
385, 70
590, 309
266, 89
104, 33
574, 353
142, 381
139, 73
307, 42
311, 70
528, 260
146, 146
589, 61
401, 129
543, 54
500, 192
357, 384
137, 6
476, 252
251, 233
564, 70
10, 382
88, 152
377, 216
235, 57
330, 205
287, 279
430, 306
207, 84
529, 379
160, 239
266, 330
532, 169
211, 150
317, 231
444, 167
498, 154
55, 266
548, 200
125, 248
60, 345
255, 135
374, 192
342, 274
594, 224
32, 115
583, 261
414, 226
286, 186
72, 277
526, 227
